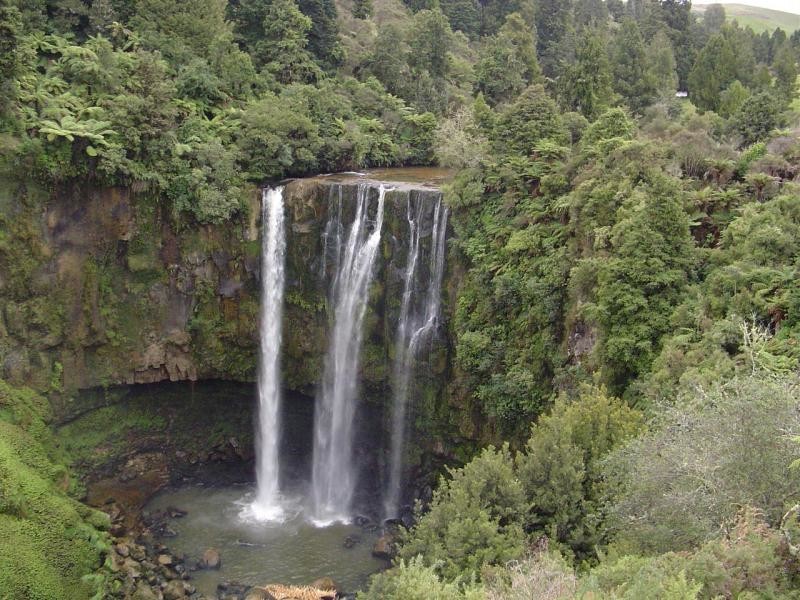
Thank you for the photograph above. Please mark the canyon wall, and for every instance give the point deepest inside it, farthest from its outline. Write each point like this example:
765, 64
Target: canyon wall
105, 287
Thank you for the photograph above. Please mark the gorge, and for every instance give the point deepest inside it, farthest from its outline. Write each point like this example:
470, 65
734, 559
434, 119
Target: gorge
152, 304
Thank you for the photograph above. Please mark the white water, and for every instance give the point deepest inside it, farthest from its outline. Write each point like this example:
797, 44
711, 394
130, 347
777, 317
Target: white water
413, 329
267, 506
333, 472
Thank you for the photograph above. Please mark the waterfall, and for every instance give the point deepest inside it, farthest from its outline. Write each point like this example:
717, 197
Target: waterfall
413, 329
273, 245
333, 472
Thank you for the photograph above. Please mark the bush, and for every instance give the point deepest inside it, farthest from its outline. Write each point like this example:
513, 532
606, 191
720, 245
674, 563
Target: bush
474, 519
413, 580
561, 467
711, 453
750, 561
49, 540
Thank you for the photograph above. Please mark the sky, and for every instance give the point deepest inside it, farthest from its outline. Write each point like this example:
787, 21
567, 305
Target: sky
792, 6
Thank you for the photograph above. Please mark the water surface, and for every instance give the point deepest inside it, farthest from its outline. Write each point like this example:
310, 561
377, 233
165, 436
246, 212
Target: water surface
257, 553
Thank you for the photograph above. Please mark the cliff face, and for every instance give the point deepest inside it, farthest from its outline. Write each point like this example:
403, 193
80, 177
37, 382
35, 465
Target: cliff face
102, 287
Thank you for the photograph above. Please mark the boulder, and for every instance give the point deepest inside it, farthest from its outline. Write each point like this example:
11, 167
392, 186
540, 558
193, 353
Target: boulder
175, 590
164, 560
143, 592
326, 584
384, 547
210, 560
257, 593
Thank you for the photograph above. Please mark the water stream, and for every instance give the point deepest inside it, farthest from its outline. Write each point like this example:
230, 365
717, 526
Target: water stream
416, 324
333, 472
266, 505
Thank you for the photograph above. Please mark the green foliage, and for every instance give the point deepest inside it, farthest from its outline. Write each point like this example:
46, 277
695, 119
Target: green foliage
533, 117
180, 30
553, 23
275, 136
362, 9
732, 99
561, 468
554, 488
633, 79
49, 543
662, 65
323, 38
726, 57
474, 519
413, 580
585, 85
751, 560
757, 118
282, 48
643, 279
508, 62
711, 453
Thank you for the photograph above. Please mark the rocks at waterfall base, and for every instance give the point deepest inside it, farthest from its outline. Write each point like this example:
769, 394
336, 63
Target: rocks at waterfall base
384, 547
210, 559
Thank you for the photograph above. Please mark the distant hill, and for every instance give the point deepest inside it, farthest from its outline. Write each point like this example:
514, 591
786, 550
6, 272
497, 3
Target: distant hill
760, 19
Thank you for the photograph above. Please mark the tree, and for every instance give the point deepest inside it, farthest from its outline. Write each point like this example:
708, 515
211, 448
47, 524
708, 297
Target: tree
553, 23
362, 9
713, 71
677, 16
10, 29
661, 64
276, 35
616, 9
520, 35
732, 99
181, 30
413, 580
101, 15
499, 73
283, 48
714, 17
711, 452
508, 62
636, 9
642, 280
633, 80
464, 15
323, 37
785, 68
757, 118
388, 59
276, 136
474, 518
533, 117
561, 467
585, 86
591, 14
459, 143
430, 41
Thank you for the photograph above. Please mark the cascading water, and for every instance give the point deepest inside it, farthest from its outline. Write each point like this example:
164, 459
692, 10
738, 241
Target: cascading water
333, 472
414, 328
266, 506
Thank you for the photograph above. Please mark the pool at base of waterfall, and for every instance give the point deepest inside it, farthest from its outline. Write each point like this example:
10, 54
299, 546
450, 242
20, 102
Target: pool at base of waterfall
251, 552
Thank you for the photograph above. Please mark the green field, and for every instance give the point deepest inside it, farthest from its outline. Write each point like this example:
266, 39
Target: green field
760, 19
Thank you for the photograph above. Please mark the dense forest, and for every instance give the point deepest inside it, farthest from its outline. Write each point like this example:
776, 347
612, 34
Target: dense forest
628, 325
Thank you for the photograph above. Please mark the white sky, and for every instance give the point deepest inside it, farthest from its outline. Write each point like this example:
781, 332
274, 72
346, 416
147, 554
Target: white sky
792, 6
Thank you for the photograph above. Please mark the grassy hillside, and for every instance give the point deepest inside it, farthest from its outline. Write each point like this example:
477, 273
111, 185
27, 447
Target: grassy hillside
760, 19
